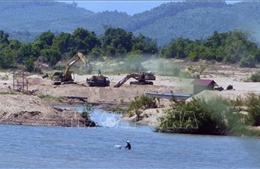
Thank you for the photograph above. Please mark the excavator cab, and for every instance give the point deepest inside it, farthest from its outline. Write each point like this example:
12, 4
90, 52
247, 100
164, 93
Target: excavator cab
148, 75
58, 78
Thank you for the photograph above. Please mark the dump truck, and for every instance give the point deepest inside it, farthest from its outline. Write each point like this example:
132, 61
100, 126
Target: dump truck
98, 81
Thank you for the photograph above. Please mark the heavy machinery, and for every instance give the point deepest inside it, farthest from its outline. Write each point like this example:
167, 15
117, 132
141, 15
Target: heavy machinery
98, 81
66, 76
142, 78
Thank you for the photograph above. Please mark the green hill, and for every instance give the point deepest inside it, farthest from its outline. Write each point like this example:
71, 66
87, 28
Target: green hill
194, 20
54, 16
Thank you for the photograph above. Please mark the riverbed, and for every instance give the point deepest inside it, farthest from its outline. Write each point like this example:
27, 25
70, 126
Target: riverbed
78, 147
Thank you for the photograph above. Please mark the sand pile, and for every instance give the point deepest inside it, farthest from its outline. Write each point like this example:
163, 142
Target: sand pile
31, 110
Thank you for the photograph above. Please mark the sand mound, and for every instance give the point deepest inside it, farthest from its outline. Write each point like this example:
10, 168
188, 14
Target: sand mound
31, 110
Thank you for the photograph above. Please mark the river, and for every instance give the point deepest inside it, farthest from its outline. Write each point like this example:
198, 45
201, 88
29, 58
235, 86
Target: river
73, 147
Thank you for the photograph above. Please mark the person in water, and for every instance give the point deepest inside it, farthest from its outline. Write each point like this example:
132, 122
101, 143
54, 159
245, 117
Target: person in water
128, 145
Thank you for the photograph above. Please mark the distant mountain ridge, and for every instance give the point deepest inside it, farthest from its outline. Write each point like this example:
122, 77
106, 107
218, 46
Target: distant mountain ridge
193, 20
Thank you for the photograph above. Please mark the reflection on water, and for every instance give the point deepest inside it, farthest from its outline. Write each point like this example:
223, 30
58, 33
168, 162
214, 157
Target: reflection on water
72, 147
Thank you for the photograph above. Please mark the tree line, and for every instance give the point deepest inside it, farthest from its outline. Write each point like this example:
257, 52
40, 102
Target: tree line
228, 47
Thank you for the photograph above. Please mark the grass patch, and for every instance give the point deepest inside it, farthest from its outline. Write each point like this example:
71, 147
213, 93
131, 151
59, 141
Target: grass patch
255, 77
50, 97
6, 93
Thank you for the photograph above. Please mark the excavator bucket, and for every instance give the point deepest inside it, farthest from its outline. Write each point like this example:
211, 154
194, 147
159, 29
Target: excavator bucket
83, 58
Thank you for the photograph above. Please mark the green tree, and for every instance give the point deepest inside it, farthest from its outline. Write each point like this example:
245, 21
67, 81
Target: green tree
216, 40
118, 40
7, 58
237, 46
84, 41
29, 63
52, 56
15, 44
46, 38
145, 45
256, 54
176, 48
4, 37
25, 51
63, 42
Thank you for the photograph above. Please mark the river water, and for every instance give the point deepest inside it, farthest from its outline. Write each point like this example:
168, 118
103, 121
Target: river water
73, 147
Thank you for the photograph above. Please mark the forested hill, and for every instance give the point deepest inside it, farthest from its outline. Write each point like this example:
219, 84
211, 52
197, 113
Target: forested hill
37, 17
194, 20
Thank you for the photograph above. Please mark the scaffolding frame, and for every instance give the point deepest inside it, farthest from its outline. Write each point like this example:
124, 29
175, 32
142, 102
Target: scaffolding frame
20, 82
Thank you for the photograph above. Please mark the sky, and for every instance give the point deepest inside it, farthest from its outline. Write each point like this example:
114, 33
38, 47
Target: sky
130, 7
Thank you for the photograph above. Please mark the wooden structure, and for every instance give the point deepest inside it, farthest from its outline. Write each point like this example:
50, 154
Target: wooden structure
203, 84
20, 82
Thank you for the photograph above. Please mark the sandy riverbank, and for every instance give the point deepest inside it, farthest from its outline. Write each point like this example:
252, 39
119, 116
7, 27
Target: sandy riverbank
33, 108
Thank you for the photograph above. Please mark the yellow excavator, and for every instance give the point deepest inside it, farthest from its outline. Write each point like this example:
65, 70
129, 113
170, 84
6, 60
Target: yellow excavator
66, 76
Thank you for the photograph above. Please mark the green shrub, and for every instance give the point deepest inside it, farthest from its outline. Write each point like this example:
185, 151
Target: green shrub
199, 117
255, 77
253, 109
141, 102
85, 115
86, 111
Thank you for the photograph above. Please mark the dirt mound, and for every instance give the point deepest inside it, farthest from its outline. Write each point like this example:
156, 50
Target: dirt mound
31, 110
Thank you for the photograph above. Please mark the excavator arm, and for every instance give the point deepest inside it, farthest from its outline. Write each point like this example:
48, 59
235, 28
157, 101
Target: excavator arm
59, 77
127, 77
141, 79
72, 61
